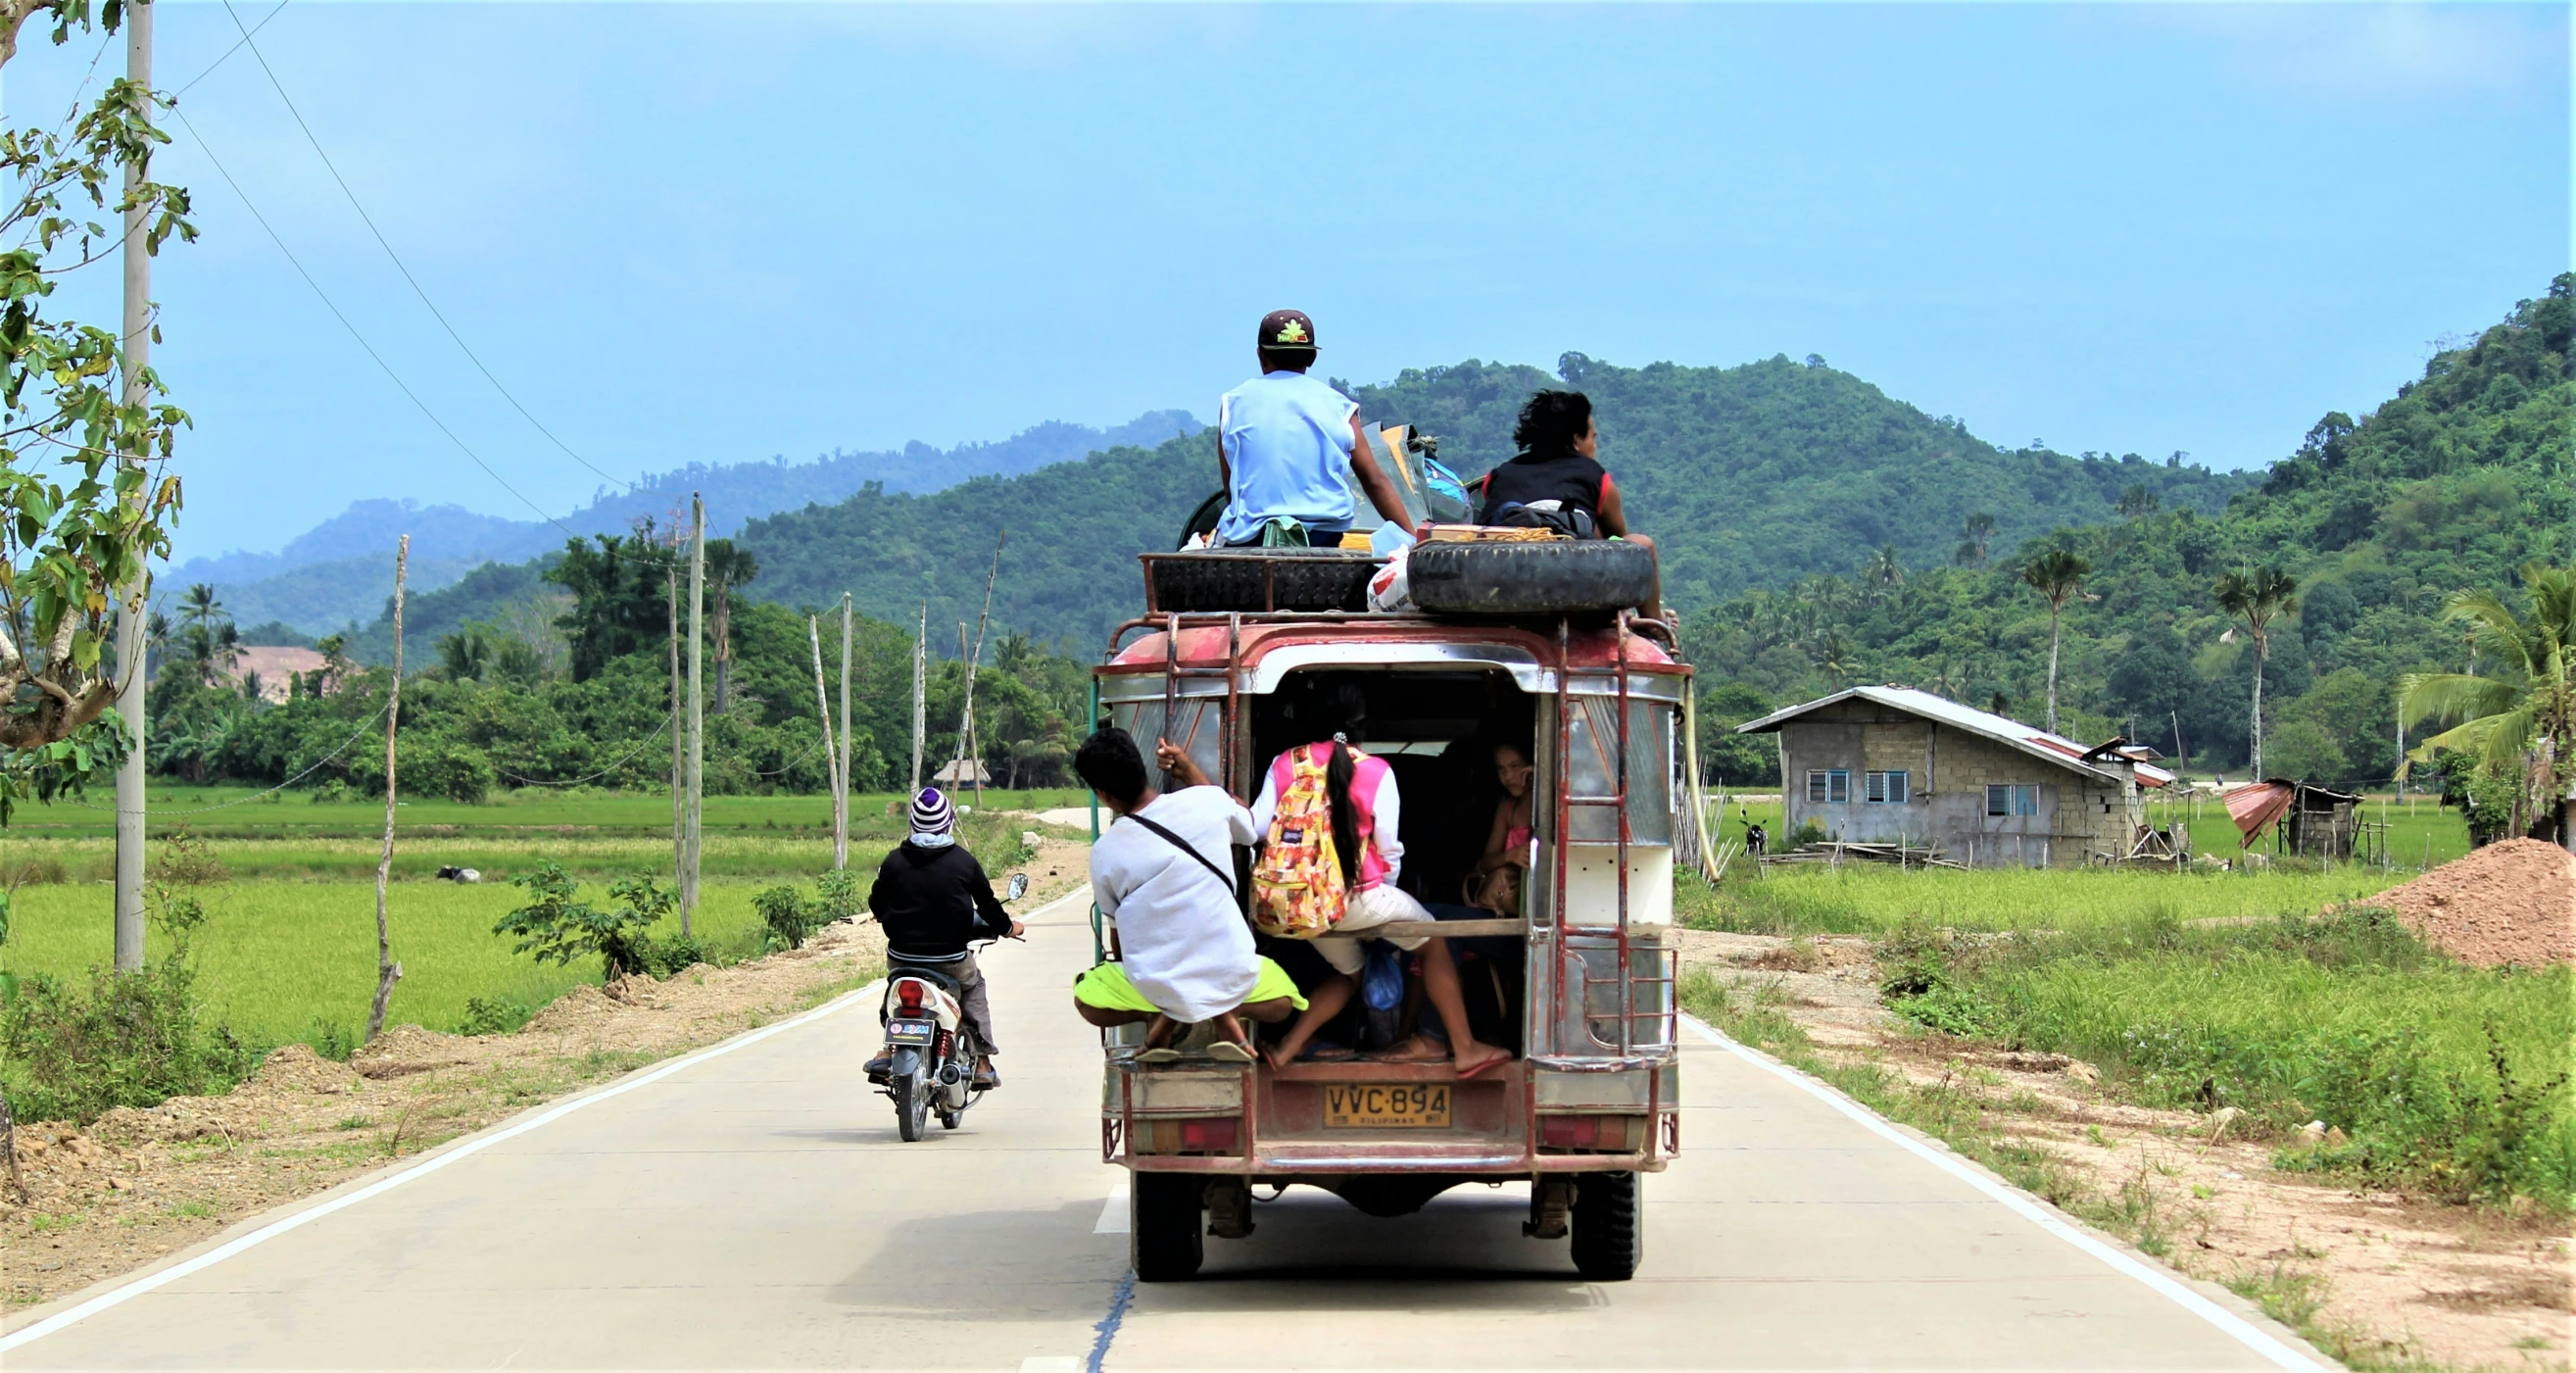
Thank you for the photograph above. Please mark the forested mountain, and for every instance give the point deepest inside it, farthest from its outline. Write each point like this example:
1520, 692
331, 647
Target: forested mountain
1747, 476
2458, 481
341, 570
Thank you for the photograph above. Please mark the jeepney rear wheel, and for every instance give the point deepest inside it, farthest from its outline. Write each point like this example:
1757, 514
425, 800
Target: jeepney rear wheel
1609, 1226
1164, 1242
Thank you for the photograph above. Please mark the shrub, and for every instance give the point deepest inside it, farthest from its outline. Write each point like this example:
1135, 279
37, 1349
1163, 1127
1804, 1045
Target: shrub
839, 894
787, 916
1809, 832
444, 767
557, 927
676, 953
124, 1039
492, 1017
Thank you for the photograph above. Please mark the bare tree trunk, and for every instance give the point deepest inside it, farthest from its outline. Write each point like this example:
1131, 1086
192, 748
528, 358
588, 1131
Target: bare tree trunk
920, 695
974, 658
823, 715
388, 972
2052, 667
723, 610
2259, 655
679, 744
849, 753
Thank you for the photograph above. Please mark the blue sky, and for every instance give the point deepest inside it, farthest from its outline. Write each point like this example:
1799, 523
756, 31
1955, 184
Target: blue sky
719, 232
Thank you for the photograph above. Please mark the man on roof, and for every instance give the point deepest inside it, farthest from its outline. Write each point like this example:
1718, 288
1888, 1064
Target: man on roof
1290, 447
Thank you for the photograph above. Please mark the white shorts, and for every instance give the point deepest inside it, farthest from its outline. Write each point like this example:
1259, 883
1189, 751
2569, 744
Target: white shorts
1382, 904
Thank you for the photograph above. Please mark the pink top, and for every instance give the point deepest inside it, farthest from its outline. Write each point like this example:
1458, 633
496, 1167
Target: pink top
1373, 794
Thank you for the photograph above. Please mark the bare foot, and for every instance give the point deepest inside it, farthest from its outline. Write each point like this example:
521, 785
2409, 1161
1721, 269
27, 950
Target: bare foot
1419, 1049
1478, 1058
1159, 1033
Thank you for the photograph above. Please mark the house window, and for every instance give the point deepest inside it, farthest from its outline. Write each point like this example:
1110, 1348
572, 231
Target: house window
1885, 788
1828, 787
2012, 800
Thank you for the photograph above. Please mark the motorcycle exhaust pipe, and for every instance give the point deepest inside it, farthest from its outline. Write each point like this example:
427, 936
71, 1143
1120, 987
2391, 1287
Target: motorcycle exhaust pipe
951, 1074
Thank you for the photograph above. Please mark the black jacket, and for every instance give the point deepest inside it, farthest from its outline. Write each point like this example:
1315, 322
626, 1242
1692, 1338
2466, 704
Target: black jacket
932, 902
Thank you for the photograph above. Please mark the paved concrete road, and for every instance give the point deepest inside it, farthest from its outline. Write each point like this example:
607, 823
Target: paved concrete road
754, 1209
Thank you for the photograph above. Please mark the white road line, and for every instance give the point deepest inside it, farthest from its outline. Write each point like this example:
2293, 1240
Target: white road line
1113, 1213
121, 1295
2228, 1322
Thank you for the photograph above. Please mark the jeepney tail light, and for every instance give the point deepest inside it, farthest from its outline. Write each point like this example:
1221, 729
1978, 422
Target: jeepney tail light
1605, 1134
1214, 1135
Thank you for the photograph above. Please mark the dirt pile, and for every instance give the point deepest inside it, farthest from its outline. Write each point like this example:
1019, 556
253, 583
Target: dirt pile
2512, 902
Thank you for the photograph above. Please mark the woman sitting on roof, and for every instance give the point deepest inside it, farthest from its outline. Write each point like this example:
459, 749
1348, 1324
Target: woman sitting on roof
1557, 480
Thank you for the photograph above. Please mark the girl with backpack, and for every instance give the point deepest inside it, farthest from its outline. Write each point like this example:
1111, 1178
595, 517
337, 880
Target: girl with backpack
1327, 873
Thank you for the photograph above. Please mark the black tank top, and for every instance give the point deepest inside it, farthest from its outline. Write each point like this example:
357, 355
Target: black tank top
1570, 478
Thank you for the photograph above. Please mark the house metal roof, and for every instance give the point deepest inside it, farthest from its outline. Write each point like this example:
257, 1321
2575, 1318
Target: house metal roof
2030, 739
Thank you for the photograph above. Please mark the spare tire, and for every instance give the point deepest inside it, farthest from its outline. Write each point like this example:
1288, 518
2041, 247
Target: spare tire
1551, 577
1261, 579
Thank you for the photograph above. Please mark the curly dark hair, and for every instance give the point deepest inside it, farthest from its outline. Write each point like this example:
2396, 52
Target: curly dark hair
1551, 421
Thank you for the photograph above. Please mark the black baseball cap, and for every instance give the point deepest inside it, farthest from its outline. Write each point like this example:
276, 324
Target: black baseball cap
1287, 331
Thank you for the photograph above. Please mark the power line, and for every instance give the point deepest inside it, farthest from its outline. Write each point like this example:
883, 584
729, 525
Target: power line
325, 296
228, 52
399, 265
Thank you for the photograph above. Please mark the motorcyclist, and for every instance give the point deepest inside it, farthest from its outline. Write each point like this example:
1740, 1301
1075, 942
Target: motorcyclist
934, 900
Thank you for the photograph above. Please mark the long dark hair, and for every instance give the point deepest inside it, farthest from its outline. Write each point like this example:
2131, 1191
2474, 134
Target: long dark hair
1323, 709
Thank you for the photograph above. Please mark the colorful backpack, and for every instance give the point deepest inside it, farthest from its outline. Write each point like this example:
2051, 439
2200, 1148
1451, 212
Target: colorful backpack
1298, 891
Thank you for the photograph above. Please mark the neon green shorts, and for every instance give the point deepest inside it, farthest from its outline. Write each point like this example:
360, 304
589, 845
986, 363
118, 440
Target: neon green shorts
1107, 988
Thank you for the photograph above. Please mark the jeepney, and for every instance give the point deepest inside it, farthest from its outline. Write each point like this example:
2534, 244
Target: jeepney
1590, 1103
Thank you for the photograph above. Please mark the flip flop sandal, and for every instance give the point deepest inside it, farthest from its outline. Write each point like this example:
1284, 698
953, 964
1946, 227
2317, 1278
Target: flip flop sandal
1227, 1051
1163, 1055
1329, 1053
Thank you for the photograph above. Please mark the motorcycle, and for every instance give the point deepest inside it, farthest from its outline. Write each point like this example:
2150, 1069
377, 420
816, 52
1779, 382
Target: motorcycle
931, 1051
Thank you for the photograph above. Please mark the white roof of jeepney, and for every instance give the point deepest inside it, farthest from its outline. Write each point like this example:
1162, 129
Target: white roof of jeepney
2030, 739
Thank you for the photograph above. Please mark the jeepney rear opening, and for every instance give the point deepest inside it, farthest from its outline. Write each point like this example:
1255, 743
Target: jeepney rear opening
1579, 983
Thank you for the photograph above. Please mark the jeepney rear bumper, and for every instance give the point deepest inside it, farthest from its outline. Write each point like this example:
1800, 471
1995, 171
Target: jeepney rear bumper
1528, 1118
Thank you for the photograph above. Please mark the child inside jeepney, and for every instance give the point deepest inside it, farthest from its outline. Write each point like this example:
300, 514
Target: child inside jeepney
1366, 819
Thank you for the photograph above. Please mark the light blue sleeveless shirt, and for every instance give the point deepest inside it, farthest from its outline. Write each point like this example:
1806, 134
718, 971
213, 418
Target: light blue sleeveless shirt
1288, 443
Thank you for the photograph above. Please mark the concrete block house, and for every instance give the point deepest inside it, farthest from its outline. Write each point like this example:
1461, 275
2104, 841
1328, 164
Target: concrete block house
1887, 764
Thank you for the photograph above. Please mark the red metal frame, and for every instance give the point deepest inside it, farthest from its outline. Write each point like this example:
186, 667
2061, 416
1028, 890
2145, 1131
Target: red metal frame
1283, 628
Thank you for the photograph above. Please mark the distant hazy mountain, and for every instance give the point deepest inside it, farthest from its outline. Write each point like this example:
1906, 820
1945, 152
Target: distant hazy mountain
341, 570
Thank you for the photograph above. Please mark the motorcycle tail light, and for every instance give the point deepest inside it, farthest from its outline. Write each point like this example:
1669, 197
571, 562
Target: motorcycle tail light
907, 994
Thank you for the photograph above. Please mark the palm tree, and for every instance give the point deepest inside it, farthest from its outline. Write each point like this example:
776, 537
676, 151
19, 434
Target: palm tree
2057, 575
1980, 531
2258, 596
728, 566
1882, 570
2519, 712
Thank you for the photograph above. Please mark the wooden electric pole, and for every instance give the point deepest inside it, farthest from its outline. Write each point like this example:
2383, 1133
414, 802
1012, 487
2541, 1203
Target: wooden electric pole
679, 732
134, 595
849, 754
823, 714
693, 826
967, 748
388, 972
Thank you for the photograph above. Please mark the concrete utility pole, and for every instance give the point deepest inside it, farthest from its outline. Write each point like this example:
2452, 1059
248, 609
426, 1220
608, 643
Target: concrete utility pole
823, 709
388, 972
679, 732
133, 597
693, 826
849, 755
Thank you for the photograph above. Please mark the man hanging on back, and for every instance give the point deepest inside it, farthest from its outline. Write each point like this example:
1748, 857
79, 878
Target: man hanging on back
1290, 447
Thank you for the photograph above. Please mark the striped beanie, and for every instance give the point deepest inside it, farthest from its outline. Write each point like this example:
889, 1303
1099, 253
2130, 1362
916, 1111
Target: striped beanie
931, 813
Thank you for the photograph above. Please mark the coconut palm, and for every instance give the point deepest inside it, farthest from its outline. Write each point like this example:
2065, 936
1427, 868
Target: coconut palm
2258, 596
2520, 711
2057, 575
1980, 531
728, 566
1883, 570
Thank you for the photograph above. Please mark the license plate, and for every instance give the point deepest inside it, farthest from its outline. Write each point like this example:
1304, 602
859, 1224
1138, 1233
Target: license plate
910, 1031
1366, 1105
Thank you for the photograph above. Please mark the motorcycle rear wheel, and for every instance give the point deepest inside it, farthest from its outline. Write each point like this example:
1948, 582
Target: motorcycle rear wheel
911, 1106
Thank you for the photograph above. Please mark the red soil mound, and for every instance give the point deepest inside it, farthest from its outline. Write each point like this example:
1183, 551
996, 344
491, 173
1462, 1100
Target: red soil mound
2512, 902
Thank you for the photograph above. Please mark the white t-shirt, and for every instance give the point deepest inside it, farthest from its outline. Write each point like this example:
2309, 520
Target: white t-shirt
1180, 934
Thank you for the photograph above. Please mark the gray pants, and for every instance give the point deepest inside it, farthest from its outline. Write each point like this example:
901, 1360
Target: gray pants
978, 1007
